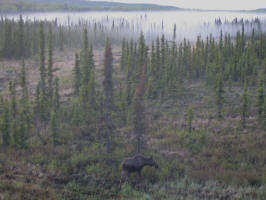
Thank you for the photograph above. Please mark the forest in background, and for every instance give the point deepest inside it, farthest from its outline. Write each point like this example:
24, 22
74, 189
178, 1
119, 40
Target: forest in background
75, 102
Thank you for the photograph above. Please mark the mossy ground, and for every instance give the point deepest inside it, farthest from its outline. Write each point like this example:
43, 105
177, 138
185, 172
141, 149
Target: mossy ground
218, 159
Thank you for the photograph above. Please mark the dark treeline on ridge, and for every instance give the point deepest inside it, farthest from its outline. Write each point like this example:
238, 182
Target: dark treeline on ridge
76, 5
115, 109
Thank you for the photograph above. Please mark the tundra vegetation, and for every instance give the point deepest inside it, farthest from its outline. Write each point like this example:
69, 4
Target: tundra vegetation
76, 101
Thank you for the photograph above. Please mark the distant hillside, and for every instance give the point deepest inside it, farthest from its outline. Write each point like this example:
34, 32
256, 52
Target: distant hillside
74, 5
261, 10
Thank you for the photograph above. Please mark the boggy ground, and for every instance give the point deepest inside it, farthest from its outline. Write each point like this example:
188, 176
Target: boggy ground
218, 159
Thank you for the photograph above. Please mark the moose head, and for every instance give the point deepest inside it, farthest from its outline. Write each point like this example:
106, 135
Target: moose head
152, 162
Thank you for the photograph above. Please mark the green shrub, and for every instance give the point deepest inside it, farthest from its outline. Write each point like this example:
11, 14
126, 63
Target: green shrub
128, 193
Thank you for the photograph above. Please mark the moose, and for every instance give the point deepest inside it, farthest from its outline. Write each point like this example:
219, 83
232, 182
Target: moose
136, 164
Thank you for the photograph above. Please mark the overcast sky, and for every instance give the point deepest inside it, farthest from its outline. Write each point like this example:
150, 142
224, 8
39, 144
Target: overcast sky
204, 4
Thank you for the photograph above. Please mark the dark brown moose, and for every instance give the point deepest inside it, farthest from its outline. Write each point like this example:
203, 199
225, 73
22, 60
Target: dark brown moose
136, 164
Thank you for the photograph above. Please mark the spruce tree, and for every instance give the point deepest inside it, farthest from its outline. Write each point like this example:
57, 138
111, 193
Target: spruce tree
61, 38
23, 83
14, 114
91, 84
24, 102
243, 40
108, 96
5, 125
50, 69
77, 76
260, 100
92, 92
43, 100
190, 116
219, 95
158, 66
163, 71
42, 61
37, 100
85, 59
123, 59
174, 34
21, 42
264, 113
7, 50
84, 90
53, 127
76, 110
56, 96
13, 103
34, 39
129, 79
123, 106
138, 113
221, 40
141, 55
244, 107
108, 73
153, 82
20, 132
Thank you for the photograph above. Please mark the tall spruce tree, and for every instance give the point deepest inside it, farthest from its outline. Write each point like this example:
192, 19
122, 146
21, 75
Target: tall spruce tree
42, 60
108, 96
92, 91
174, 34
23, 83
24, 102
43, 100
244, 106
53, 127
37, 100
61, 38
77, 76
138, 113
50, 69
129, 78
219, 95
108, 76
264, 113
21, 42
7, 49
13, 100
20, 132
84, 91
85, 59
260, 100
123, 59
56, 96
141, 55
5, 125
13, 114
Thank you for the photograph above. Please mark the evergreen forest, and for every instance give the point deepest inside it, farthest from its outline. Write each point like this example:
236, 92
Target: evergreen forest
76, 100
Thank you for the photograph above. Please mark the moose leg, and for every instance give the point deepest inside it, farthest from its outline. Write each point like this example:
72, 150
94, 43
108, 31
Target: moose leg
127, 175
139, 174
122, 177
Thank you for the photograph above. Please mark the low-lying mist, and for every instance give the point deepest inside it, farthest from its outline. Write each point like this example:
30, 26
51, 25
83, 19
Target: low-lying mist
189, 24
